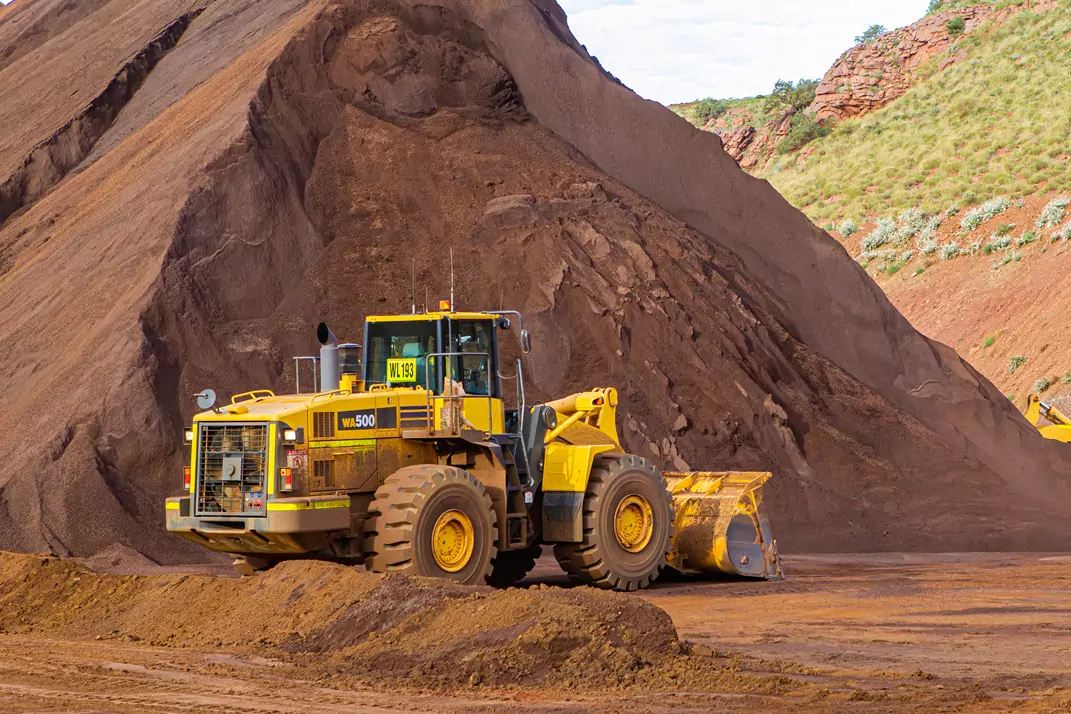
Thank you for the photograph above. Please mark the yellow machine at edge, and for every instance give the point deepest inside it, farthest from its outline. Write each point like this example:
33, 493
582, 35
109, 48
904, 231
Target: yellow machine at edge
409, 461
1059, 426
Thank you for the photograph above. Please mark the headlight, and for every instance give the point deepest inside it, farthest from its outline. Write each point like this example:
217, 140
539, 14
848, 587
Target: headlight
290, 435
189, 436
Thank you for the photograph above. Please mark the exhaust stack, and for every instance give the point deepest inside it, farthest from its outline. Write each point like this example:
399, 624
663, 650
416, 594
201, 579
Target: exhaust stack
329, 361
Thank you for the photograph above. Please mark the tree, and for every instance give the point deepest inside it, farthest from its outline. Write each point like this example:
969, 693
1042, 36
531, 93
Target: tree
872, 33
935, 6
791, 96
708, 109
956, 26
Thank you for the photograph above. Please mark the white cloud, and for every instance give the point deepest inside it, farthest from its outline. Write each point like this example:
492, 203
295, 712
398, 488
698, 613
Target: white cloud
678, 50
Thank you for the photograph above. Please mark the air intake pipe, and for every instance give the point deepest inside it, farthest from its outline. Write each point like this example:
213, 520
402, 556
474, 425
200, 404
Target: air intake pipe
329, 362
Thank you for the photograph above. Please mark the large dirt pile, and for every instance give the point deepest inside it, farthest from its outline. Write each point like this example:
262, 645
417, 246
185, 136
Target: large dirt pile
375, 629
282, 162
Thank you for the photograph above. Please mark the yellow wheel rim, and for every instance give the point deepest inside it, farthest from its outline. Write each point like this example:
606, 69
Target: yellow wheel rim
452, 541
634, 523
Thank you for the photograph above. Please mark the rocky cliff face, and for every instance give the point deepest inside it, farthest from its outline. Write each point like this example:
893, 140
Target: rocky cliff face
749, 146
870, 75
282, 162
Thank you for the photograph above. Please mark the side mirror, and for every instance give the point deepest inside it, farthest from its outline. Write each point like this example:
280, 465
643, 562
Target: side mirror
206, 399
526, 342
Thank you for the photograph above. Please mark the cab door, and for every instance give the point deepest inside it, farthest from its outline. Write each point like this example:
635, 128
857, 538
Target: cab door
473, 369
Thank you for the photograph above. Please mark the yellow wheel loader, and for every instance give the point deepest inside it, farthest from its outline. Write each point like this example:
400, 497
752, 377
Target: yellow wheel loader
1059, 426
409, 461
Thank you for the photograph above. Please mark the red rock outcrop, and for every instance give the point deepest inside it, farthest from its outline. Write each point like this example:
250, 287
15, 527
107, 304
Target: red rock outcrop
872, 74
751, 147
282, 162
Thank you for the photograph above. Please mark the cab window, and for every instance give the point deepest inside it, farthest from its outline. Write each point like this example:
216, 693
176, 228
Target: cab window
400, 341
474, 369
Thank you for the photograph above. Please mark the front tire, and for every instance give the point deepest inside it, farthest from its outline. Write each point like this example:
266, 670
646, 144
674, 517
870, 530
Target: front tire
433, 521
628, 526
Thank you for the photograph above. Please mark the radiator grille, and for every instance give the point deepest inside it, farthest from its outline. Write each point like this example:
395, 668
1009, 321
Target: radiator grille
323, 425
323, 473
231, 469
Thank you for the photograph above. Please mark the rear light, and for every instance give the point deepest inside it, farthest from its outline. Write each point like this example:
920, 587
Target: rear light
286, 479
186, 478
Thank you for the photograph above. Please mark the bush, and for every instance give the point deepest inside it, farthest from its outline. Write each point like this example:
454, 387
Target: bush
949, 251
989, 341
786, 95
872, 33
1015, 363
956, 26
1067, 378
1062, 234
987, 210
848, 228
1053, 213
709, 109
803, 130
935, 6
882, 234
1042, 385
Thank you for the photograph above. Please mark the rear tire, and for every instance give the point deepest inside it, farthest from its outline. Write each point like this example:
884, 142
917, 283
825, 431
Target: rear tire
433, 521
510, 567
628, 526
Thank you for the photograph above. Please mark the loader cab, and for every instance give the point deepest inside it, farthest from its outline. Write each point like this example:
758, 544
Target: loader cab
452, 354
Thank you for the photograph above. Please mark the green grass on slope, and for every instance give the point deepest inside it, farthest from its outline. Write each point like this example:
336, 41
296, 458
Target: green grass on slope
997, 123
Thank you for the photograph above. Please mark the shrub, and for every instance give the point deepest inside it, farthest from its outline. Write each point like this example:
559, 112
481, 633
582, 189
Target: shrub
1062, 234
882, 234
785, 94
848, 228
1004, 229
1067, 378
999, 243
918, 272
987, 210
928, 248
989, 341
935, 6
803, 130
949, 251
956, 26
1015, 363
1042, 385
872, 33
709, 109
1053, 213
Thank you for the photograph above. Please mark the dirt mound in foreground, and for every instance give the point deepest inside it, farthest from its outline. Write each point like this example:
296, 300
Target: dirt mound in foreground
375, 628
282, 161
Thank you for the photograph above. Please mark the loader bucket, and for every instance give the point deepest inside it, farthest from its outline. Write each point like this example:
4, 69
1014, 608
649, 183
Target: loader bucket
721, 526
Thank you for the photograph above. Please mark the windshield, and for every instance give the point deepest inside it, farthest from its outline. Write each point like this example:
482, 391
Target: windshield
396, 352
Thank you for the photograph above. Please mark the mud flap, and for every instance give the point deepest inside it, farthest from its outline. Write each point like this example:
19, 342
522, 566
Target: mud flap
721, 525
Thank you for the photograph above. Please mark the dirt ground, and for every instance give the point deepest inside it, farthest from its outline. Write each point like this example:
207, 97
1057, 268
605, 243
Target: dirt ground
861, 633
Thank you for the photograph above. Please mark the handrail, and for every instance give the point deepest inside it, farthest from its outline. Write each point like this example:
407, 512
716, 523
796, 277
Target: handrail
332, 393
297, 372
252, 395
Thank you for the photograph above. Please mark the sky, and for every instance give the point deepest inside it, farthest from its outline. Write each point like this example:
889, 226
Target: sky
680, 50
